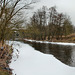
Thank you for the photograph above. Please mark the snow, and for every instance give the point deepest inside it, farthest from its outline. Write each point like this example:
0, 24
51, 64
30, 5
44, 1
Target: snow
32, 62
59, 43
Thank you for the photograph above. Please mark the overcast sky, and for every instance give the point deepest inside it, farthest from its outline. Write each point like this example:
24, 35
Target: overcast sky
65, 6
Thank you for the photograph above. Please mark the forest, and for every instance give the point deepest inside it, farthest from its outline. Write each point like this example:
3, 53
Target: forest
48, 24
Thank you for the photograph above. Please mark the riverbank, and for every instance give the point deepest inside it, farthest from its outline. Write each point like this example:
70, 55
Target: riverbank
51, 42
33, 62
64, 41
69, 40
5, 57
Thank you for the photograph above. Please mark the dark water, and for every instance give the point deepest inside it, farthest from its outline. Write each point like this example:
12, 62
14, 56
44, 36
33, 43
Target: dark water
65, 54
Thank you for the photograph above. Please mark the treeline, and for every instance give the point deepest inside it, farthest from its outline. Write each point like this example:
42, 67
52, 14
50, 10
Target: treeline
48, 24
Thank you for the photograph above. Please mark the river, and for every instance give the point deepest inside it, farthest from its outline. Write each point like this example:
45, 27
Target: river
64, 53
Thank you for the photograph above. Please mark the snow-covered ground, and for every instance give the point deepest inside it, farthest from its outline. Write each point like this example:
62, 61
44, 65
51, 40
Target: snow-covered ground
59, 43
32, 62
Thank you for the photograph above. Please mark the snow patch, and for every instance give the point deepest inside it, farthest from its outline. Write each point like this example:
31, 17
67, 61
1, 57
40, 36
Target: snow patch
32, 62
59, 43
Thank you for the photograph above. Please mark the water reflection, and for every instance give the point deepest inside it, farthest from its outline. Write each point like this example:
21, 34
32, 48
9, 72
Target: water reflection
65, 54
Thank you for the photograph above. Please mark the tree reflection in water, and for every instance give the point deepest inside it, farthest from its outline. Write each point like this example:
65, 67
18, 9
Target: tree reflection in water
64, 53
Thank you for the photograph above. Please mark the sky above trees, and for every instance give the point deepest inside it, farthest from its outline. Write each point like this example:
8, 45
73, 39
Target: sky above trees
65, 6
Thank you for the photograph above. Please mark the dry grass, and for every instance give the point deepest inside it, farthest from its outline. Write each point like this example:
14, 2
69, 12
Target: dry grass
5, 59
4, 72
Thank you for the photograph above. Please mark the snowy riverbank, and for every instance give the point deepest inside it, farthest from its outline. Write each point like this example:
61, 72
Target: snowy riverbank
32, 62
59, 43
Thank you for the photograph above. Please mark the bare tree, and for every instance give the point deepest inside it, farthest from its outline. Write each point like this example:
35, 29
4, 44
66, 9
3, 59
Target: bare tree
10, 16
52, 22
48, 23
67, 26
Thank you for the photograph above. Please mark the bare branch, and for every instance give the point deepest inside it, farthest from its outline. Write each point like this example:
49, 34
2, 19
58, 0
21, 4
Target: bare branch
23, 7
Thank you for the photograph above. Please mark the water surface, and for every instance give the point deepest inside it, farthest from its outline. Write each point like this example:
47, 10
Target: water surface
64, 53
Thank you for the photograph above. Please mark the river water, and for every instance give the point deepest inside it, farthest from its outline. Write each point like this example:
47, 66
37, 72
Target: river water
64, 53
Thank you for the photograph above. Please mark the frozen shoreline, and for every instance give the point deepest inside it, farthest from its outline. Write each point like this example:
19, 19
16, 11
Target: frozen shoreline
32, 62
59, 43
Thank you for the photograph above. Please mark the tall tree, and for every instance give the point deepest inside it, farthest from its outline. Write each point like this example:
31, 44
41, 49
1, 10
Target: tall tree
10, 15
52, 22
67, 27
